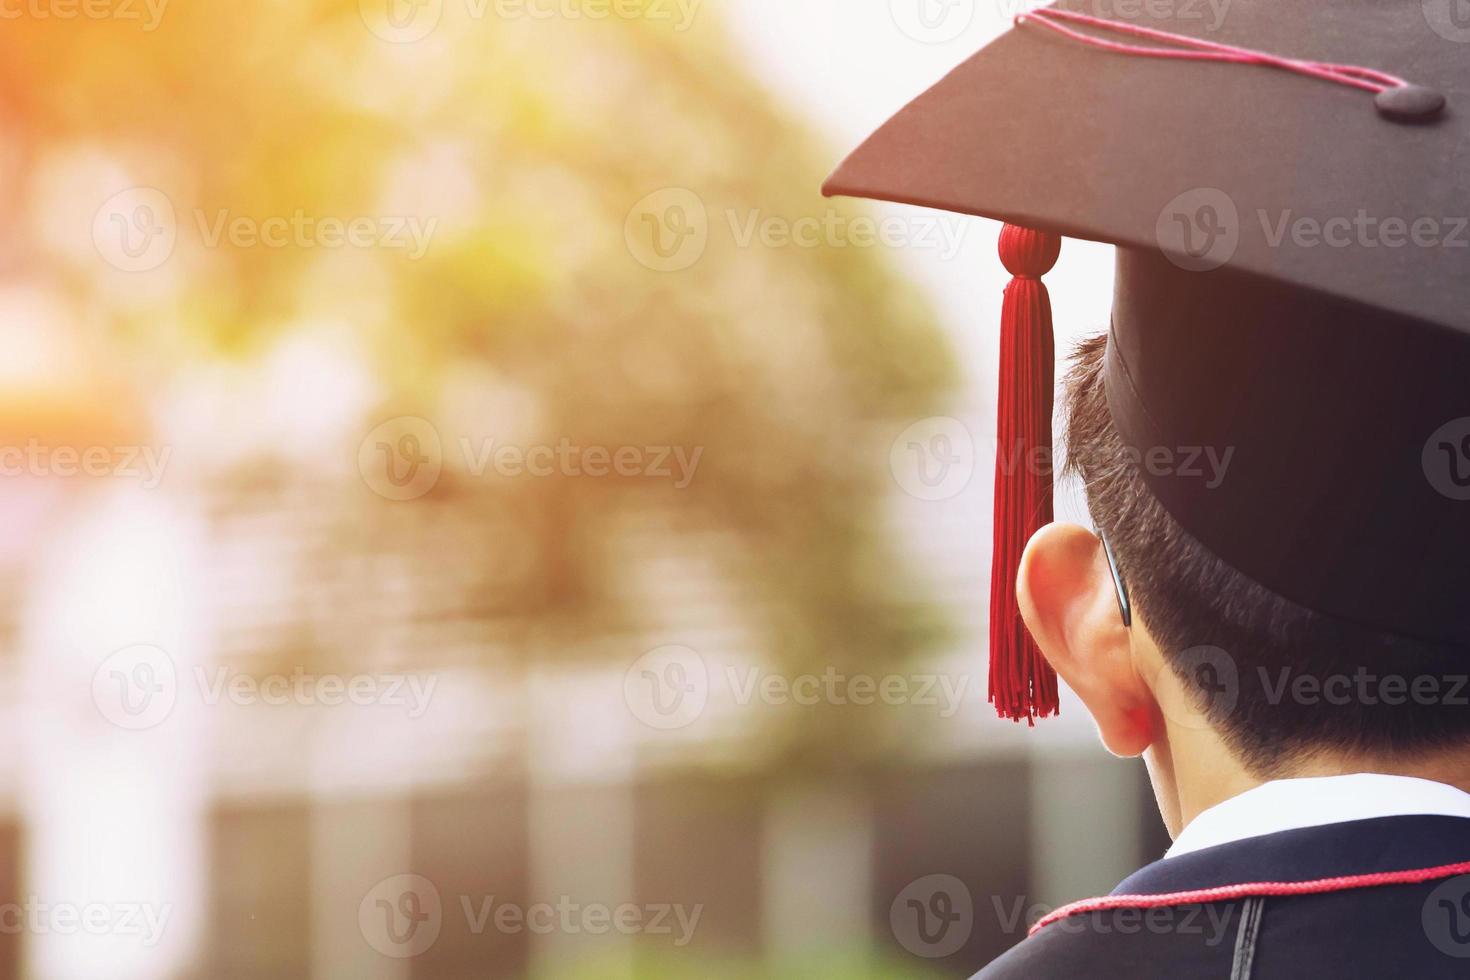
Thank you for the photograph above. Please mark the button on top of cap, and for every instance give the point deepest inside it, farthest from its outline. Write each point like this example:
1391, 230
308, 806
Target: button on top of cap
1409, 103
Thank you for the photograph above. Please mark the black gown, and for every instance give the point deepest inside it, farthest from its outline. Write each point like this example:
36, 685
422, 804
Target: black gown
1381, 898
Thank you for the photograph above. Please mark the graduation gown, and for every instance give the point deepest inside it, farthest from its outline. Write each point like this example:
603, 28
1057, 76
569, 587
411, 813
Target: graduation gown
1384, 897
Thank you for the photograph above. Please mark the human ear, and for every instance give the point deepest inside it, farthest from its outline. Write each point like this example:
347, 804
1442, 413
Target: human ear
1068, 600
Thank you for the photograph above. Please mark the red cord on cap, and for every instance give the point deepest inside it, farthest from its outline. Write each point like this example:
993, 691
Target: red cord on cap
1197, 49
1022, 683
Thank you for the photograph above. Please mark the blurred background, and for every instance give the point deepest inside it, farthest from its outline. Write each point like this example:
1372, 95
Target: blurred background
471, 509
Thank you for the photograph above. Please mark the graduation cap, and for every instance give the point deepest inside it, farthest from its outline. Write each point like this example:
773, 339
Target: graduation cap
1288, 191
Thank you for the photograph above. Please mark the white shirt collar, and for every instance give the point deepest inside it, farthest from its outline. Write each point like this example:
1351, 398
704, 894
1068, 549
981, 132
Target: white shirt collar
1290, 804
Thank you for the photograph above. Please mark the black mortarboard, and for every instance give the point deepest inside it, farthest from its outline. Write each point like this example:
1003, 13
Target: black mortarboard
1293, 282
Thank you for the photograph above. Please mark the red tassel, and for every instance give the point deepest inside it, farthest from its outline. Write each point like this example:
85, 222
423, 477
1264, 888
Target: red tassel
1022, 683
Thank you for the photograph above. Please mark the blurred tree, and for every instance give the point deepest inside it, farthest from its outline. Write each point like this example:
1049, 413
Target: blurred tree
536, 152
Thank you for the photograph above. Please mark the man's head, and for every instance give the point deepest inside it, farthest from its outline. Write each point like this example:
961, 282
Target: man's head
1276, 684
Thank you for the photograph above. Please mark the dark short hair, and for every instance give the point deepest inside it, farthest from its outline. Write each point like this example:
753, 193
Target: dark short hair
1280, 682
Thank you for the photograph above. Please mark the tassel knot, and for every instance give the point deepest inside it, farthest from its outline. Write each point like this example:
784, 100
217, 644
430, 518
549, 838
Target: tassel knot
1028, 254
